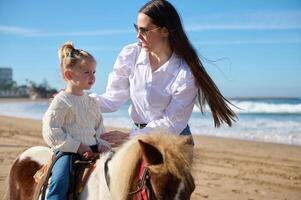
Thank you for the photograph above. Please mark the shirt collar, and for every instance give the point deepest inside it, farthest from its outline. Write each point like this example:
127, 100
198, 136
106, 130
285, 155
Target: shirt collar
142, 58
171, 66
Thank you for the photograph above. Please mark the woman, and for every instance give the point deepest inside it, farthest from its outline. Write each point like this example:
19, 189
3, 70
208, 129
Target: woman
162, 75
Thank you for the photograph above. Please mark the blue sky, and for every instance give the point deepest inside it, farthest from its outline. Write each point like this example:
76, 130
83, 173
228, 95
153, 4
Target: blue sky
256, 43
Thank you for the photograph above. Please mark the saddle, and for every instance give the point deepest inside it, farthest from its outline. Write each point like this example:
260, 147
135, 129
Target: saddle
81, 169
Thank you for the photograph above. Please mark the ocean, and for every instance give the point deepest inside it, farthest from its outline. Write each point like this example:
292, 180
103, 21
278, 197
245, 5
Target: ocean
276, 120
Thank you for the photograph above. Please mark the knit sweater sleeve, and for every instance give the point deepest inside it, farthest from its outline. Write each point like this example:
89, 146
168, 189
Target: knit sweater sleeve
53, 131
100, 129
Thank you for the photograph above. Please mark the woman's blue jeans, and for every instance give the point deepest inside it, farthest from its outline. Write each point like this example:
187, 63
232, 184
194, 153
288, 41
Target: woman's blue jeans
186, 131
59, 183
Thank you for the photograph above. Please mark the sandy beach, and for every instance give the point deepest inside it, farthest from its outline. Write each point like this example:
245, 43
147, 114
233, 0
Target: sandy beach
223, 168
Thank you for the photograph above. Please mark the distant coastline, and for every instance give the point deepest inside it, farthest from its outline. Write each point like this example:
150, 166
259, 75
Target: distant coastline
263, 98
21, 99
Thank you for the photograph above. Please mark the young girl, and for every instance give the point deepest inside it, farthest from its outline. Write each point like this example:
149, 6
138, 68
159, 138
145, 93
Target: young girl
73, 122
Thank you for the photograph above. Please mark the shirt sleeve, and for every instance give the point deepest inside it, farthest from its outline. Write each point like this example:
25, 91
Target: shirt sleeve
179, 110
53, 133
118, 87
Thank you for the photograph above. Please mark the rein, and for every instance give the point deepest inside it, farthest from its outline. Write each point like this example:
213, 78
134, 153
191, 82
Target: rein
144, 188
141, 182
106, 168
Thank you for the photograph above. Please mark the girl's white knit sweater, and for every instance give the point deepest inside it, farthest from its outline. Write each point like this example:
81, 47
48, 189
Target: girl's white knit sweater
71, 120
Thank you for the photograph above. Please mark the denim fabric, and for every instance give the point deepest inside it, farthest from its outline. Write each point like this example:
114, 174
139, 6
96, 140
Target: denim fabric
58, 188
186, 131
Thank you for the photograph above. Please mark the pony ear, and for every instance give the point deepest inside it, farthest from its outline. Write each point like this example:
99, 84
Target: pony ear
186, 140
150, 154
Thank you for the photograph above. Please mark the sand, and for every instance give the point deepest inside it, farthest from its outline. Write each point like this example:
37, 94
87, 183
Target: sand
223, 168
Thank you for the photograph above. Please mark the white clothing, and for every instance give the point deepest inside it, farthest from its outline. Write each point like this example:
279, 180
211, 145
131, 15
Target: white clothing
161, 99
71, 120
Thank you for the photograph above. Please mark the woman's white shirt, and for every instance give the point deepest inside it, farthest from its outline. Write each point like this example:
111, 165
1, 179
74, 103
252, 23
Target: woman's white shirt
162, 99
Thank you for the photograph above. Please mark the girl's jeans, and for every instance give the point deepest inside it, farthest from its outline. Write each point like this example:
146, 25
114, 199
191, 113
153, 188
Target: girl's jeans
58, 188
59, 183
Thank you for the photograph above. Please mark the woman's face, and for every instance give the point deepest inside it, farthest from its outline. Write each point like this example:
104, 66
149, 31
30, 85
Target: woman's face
149, 35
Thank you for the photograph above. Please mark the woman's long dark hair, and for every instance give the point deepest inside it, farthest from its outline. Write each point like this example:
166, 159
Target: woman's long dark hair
163, 14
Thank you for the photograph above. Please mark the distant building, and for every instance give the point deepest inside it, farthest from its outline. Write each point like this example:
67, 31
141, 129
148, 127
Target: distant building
6, 75
8, 87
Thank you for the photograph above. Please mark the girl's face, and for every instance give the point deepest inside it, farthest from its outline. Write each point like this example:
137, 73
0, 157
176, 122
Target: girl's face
150, 36
83, 76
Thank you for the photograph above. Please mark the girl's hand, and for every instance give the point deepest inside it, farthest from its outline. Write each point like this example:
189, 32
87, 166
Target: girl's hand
85, 151
88, 155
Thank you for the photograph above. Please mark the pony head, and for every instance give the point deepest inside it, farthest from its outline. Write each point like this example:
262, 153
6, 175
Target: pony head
168, 158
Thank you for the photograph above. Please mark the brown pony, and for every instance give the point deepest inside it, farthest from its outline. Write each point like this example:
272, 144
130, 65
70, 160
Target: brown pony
161, 161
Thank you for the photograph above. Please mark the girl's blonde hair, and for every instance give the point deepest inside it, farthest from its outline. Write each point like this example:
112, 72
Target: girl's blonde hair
71, 57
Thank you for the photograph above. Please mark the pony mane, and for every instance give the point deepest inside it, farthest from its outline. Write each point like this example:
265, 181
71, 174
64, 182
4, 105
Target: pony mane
177, 158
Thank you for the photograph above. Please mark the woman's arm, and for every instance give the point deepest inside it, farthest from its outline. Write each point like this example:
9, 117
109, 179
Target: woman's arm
117, 91
179, 110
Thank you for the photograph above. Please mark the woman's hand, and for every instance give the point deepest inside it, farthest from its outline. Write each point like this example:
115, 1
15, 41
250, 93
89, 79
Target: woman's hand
85, 151
115, 138
103, 148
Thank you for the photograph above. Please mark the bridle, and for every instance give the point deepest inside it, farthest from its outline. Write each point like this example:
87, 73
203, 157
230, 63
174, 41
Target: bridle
144, 189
